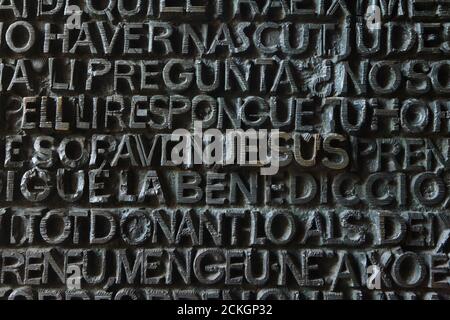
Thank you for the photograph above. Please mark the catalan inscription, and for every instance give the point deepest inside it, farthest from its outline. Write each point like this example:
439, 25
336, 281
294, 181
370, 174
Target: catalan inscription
212, 149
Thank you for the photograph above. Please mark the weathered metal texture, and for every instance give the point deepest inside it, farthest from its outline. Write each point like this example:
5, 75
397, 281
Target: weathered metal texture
95, 207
